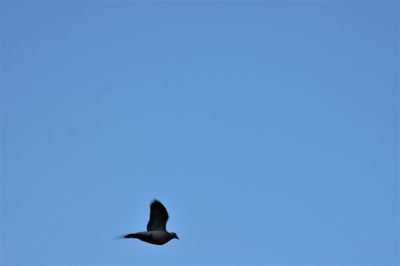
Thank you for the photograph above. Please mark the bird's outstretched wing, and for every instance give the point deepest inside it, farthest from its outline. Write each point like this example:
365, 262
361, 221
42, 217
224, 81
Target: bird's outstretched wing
158, 217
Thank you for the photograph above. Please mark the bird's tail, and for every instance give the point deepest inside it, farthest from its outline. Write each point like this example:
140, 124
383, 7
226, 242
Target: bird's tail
130, 236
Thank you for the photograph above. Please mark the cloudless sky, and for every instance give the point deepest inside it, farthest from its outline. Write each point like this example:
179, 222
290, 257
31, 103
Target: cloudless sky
268, 129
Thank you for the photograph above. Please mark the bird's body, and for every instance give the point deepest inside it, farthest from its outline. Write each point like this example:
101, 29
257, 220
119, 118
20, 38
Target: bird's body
156, 227
153, 237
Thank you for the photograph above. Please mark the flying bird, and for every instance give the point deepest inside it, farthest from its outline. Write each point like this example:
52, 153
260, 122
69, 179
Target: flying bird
156, 227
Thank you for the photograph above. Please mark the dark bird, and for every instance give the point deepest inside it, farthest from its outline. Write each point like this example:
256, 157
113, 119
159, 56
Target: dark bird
156, 227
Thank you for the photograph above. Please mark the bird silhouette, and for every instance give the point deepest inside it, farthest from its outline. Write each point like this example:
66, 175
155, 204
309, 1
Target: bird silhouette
156, 227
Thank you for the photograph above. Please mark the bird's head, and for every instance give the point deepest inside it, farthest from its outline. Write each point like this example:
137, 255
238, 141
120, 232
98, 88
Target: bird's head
174, 235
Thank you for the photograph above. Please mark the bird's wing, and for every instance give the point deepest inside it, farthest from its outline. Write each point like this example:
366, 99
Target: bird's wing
158, 217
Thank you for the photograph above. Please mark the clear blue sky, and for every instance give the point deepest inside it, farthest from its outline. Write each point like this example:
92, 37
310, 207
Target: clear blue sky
268, 129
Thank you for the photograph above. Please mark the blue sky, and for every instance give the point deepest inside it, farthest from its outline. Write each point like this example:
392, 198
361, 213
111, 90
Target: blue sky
268, 129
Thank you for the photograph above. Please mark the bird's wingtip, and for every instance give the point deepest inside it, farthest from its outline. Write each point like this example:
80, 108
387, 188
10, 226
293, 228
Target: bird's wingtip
154, 201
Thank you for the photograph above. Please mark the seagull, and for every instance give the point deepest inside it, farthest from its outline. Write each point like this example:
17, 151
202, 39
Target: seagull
156, 227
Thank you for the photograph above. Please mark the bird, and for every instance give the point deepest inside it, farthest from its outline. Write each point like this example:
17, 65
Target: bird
156, 233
